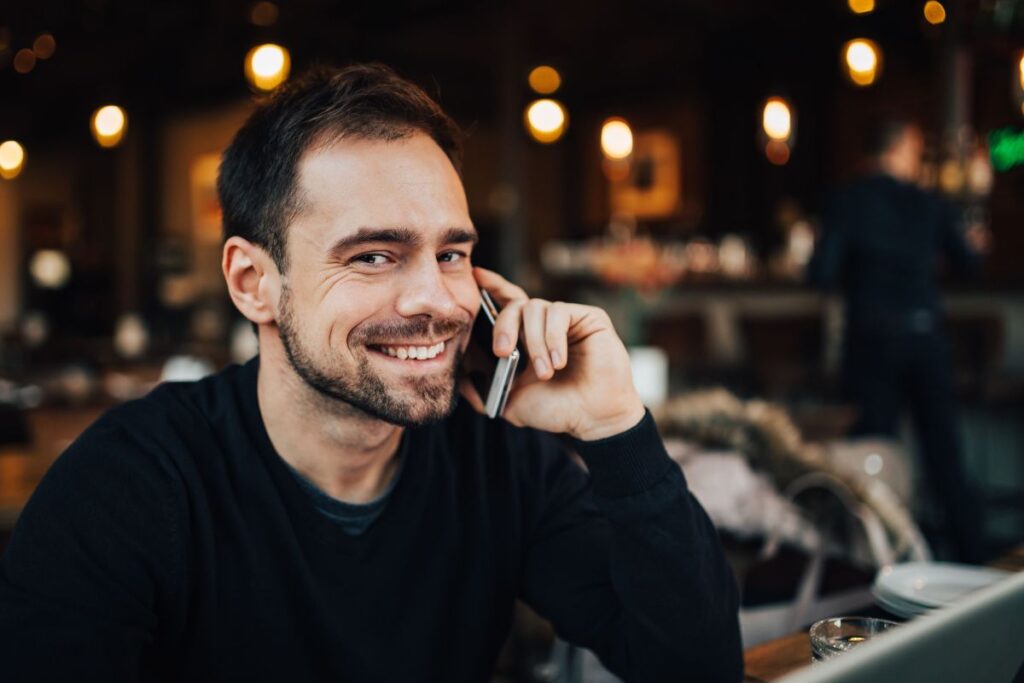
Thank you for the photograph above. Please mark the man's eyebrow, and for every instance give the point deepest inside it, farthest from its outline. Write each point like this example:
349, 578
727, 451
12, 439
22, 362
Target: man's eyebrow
460, 235
403, 236
369, 235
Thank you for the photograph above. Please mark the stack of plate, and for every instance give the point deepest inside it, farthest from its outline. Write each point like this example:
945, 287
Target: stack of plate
908, 590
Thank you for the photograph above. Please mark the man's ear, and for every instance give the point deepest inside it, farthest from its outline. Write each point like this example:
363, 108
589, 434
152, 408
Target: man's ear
252, 278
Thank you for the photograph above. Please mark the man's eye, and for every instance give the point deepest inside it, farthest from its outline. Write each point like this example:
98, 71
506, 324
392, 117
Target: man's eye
451, 256
372, 259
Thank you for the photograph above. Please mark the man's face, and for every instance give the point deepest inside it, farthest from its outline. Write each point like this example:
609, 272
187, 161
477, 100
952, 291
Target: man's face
909, 150
379, 295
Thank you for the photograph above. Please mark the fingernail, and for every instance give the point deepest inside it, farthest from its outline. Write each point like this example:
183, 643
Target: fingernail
556, 359
541, 365
503, 342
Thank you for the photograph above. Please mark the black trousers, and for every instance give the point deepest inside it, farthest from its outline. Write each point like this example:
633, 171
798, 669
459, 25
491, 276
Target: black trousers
887, 371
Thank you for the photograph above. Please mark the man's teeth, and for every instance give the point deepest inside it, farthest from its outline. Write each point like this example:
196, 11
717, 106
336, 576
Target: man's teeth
414, 352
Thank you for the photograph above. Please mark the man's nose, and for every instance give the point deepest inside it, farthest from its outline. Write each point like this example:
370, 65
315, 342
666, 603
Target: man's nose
427, 292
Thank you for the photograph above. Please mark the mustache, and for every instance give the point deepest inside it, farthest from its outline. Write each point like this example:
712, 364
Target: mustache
404, 329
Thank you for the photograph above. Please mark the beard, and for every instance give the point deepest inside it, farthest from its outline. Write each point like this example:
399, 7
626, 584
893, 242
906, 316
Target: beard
432, 398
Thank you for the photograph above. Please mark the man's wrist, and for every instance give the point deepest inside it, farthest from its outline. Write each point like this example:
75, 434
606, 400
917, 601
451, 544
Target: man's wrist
611, 426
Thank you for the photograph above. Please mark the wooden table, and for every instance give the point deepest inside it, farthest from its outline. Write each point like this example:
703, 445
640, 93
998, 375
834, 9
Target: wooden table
774, 659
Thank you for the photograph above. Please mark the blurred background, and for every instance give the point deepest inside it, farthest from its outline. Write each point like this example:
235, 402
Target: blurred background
667, 160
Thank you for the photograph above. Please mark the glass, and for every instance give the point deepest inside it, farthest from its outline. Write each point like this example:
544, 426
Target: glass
832, 637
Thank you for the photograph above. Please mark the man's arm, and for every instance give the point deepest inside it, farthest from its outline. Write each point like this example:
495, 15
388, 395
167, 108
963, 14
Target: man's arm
628, 565
93, 558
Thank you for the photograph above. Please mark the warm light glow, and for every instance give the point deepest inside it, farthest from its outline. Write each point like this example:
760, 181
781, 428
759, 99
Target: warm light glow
267, 66
24, 60
109, 124
777, 120
934, 12
861, 6
1020, 67
49, 268
862, 58
616, 139
777, 152
546, 120
263, 14
12, 159
545, 80
44, 46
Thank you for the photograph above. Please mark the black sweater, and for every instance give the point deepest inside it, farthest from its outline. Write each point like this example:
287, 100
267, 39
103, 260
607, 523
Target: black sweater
170, 542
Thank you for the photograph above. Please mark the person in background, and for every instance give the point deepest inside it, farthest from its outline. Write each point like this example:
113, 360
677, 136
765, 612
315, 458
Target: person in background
330, 511
883, 240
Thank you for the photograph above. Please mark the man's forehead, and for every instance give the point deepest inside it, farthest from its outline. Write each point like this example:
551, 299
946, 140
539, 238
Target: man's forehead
406, 183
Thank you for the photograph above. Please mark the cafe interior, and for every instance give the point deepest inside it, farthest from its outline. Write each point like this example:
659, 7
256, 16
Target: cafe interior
669, 161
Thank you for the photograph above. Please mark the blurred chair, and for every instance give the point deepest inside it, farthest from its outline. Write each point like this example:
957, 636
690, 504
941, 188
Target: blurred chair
14, 429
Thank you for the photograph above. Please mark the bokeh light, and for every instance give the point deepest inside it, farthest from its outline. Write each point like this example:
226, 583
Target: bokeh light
12, 159
109, 124
863, 61
777, 152
777, 119
49, 268
616, 139
263, 14
546, 120
545, 80
861, 6
934, 12
24, 60
44, 46
267, 66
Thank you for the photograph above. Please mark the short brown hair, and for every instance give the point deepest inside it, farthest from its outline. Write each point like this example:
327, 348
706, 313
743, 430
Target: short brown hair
258, 172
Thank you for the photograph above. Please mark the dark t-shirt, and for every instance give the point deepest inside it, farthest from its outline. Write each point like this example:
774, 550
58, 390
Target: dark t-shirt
171, 542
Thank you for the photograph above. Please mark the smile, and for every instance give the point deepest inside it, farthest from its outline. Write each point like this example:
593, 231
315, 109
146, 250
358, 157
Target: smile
410, 352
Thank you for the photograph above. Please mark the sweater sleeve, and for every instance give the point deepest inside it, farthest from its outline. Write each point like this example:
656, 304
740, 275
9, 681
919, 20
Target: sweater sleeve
92, 559
628, 564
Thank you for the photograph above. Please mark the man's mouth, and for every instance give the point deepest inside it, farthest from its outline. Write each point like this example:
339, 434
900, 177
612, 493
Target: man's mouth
412, 351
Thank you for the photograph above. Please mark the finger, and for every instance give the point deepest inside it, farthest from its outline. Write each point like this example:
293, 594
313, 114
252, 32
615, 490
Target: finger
498, 287
556, 334
506, 327
469, 393
535, 314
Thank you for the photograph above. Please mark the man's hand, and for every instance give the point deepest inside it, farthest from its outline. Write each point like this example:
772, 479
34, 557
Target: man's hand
579, 380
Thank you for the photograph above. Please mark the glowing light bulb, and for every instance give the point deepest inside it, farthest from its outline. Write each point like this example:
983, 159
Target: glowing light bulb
545, 80
777, 119
267, 66
862, 58
12, 159
934, 12
546, 120
109, 124
861, 6
616, 139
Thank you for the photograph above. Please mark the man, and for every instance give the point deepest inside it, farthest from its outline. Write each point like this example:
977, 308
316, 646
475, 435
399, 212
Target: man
327, 512
883, 238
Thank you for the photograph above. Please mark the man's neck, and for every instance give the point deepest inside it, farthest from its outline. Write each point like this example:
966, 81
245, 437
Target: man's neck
341, 450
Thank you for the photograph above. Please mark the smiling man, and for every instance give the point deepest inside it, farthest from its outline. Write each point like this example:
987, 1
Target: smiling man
332, 510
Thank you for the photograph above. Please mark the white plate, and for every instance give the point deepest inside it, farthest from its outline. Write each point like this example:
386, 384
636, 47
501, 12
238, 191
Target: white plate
898, 607
932, 584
